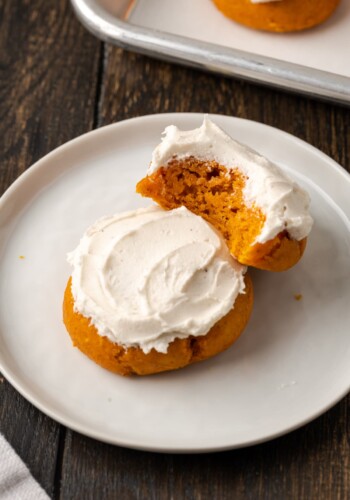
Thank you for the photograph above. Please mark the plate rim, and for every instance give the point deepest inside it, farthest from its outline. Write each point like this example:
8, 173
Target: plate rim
72, 142
15, 380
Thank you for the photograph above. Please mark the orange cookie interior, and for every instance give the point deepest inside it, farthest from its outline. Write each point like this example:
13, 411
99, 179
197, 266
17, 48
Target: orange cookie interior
216, 193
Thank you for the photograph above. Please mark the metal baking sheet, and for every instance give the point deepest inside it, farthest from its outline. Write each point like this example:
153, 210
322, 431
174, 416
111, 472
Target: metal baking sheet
314, 62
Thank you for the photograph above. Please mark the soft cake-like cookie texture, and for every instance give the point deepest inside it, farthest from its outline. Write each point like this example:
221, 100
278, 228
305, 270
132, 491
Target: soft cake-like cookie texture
263, 215
278, 15
180, 353
154, 290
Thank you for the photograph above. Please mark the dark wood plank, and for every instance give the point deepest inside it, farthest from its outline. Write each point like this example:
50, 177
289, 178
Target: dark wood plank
135, 85
310, 463
49, 69
33, 436
48, 81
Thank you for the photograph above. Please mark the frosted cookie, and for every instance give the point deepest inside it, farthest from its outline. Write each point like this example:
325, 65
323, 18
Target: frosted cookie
278, 15
154, 290
262, 214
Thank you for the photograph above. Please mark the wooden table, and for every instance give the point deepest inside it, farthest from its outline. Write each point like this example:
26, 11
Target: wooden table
58, 82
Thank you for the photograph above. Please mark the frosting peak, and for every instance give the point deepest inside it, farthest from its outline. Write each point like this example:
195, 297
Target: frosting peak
149, 276
284, 204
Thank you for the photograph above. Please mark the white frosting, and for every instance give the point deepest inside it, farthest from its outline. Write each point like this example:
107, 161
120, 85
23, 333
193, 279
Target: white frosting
149, 276
284, 204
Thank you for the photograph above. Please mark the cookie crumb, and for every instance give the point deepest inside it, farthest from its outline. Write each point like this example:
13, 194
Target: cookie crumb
21, 257
298, 296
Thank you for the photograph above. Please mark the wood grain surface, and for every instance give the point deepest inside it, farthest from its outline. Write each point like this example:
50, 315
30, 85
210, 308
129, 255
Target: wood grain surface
57, 82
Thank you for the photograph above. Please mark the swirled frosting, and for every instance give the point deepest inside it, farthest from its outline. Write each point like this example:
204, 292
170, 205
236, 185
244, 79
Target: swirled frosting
284, 204
149, 276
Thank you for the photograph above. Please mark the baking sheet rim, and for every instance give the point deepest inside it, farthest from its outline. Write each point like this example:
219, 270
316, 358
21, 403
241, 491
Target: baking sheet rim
211, 57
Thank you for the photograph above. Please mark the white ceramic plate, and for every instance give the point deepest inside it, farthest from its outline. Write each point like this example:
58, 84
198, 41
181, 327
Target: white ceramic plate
290, 365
